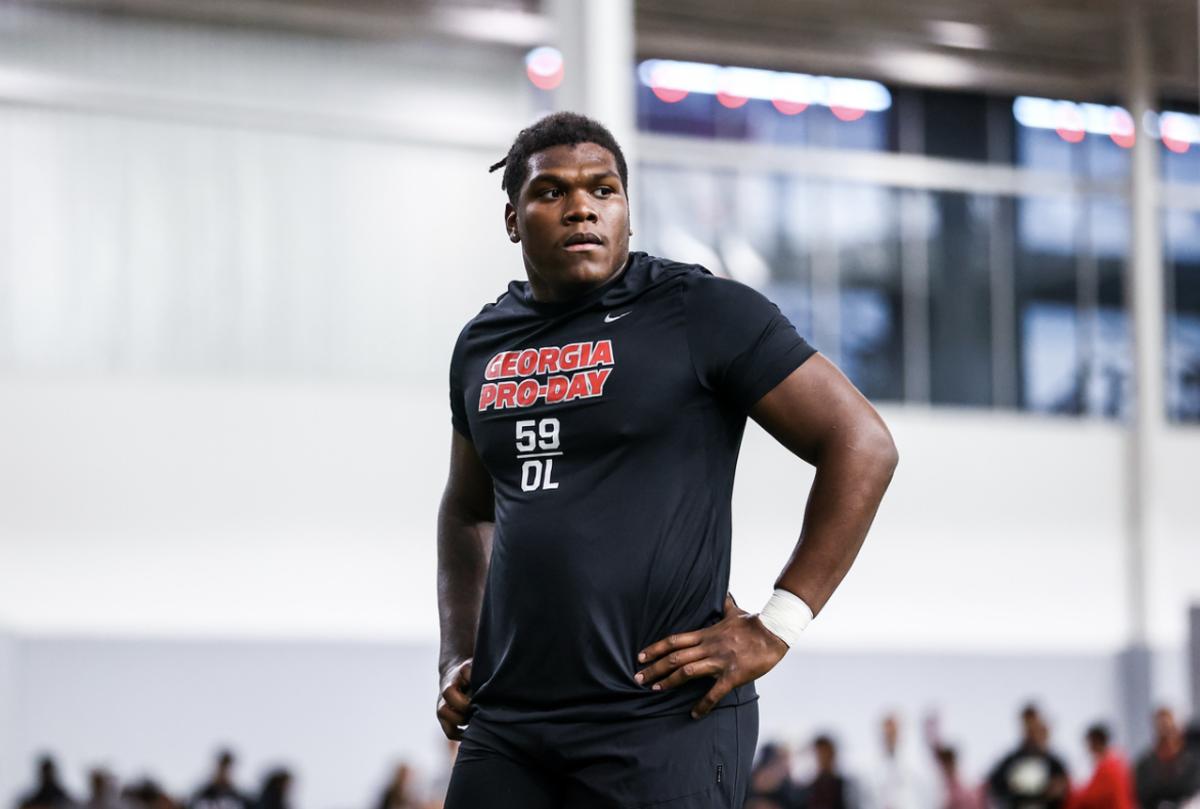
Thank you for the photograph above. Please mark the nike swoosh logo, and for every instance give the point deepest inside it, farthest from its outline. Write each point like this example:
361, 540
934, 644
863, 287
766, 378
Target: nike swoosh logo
610, 318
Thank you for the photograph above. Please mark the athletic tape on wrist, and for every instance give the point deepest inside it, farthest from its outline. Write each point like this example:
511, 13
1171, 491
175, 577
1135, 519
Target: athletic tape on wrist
786, 615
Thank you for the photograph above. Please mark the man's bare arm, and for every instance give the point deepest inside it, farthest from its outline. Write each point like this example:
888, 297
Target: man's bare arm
820, 416
466, 519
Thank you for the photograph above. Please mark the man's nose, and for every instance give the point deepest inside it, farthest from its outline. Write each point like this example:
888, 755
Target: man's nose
579, 208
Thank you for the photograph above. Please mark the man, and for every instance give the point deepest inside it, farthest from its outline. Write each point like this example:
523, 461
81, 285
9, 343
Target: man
220, 792
896, 784
588, 641
829, 789
771, 784
103, 792
49, 792
1030, 777
1169, 773
1111, 786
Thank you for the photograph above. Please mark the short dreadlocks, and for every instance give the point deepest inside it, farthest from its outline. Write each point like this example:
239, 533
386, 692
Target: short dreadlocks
556, 129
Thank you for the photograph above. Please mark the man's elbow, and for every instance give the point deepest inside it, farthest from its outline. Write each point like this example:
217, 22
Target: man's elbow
881, 449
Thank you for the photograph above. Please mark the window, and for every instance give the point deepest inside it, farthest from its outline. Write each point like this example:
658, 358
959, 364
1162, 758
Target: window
1181, 247
960, 306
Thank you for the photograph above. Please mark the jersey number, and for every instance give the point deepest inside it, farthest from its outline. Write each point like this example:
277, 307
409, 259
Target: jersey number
537, 446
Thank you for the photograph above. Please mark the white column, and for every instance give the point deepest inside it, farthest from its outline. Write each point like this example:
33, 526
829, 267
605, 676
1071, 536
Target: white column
1144, 302
597, 44
596, 40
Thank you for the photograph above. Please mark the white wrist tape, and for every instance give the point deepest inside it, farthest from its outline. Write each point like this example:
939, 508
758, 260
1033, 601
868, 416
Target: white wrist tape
785, 615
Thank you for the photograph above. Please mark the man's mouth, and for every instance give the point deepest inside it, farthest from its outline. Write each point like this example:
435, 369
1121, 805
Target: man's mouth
578, 242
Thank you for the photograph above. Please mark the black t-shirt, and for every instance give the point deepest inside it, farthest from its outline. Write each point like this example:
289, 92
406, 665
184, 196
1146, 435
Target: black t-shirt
610, 426
1025, 777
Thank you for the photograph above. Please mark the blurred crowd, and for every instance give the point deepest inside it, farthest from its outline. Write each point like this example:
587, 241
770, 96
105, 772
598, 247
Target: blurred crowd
220, 791
1030, 776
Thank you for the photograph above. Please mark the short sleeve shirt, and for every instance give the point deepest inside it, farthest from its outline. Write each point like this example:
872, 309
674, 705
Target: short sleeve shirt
610, 425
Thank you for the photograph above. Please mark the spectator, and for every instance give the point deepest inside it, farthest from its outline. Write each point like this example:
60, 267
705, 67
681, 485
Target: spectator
829, 789
771, 784
147, 794
49, 793
103, 792
1030, 777
220, 792
276, 790
1111, 786
955, 794
896, 785
400, 792
1167, 774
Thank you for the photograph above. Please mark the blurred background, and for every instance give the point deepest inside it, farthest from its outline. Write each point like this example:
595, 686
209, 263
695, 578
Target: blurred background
239, 237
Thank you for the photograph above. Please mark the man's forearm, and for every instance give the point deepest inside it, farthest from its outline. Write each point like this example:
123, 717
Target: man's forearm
464, 551
845, 495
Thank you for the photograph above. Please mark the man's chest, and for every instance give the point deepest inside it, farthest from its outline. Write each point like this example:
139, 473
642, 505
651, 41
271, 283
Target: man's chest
548, 405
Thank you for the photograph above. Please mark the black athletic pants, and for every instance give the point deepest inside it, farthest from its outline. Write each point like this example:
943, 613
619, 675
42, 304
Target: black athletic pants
667, 762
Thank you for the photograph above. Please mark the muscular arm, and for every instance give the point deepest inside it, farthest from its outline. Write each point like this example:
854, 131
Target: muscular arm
821, 417
466, 519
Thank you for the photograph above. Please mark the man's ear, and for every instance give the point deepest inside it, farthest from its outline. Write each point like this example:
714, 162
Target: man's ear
510, 223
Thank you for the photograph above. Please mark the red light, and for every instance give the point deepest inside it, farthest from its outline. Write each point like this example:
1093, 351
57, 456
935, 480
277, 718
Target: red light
1175, 145
731, 101
548, 82
847, 113
1121, 129
669, 95
789, 107
1069, 122
544, 67
1171, 130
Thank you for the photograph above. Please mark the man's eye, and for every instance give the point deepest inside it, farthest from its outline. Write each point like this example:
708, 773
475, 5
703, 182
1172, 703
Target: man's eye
551, 193
605, 191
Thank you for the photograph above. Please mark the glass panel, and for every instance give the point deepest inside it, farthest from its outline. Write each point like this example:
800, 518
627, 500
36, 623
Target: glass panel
1096, 156
1046, 297
1182, 253
959, 298
1111, 352
1179, 133
866, 229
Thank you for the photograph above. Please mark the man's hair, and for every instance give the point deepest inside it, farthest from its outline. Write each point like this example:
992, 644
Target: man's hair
1098, 734
556, 129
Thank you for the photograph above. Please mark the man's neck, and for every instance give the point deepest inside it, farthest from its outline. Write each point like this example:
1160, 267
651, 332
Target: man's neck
543, 292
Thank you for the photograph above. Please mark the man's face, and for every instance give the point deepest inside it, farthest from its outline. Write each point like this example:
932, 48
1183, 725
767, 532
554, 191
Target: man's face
1164, 724
572, 219
825, 756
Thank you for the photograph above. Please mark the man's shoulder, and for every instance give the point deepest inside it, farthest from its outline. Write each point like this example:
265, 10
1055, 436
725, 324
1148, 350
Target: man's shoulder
493, 312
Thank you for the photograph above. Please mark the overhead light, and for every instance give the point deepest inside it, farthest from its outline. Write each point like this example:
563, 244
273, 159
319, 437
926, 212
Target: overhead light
790, 92
954, 34
1071, 120
544, 67
499, 25
929, 69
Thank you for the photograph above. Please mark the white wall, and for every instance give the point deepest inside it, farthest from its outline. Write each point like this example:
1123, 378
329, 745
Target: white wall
237, 510
10, 775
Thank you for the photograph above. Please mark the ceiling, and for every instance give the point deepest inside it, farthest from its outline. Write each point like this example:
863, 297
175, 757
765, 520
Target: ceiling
1070, 48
